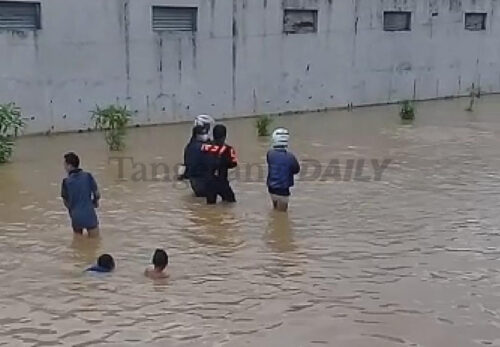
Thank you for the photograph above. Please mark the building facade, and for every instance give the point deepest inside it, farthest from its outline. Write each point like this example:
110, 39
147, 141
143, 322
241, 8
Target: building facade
169, 60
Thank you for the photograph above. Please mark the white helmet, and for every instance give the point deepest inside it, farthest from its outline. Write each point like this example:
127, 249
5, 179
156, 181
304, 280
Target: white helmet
280, 138
205, 121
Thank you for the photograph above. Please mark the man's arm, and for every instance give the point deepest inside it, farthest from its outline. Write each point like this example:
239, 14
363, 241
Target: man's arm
64, 194
183, 172
295, 165
96, 195
232, 160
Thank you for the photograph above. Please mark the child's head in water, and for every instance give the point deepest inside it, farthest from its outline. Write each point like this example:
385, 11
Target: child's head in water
160, 259
160, 262
105, 263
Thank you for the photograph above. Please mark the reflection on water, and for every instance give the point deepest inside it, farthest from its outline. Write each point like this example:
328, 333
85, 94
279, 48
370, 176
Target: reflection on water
280, 232
411, 260
85, 249
211, 226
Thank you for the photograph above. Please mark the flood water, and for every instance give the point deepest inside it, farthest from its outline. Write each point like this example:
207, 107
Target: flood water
409, 260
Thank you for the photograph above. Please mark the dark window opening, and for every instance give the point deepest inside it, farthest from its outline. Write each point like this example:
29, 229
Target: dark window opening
397, 21
166, 18
300, 21
19, 15
475, 21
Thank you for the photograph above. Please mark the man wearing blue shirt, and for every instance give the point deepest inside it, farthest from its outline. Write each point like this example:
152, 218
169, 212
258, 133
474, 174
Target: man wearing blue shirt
81, 196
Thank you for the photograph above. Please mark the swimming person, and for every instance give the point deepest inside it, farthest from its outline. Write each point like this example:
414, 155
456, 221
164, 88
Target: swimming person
195, 169
282, 166
219, 158
105, 263
81, 196
160, 262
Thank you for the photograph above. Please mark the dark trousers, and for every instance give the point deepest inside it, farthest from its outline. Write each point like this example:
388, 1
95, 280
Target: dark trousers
198, 185
219, 187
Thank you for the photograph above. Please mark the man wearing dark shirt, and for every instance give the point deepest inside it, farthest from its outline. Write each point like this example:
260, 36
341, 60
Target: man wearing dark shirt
219, 158
193, 161
80, 196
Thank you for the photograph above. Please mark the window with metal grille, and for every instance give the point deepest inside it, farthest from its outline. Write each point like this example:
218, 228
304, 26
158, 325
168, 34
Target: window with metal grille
475, 21
300, 21
397, 21
19, 15
166, 18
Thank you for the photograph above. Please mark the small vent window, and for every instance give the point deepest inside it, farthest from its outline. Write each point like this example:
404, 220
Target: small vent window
19, 15
300, 21
174, 18
475, 21
397, 21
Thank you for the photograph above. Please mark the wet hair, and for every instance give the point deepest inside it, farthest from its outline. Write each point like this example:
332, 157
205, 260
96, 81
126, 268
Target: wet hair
220, 132
72, 159
106, 261
160, 259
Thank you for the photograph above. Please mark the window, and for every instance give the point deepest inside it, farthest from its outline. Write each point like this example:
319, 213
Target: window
174, 18
475, 21
19, 15
397, 21
300, 21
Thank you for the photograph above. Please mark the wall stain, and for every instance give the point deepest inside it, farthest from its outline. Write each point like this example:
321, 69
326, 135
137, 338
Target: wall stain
194, 50
126, 21
212, 18
234, 51
160, 62
179, 60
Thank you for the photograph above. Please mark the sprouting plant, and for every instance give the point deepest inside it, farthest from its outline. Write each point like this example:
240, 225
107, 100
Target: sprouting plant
262, 124
113, 120
11, 124
407, 111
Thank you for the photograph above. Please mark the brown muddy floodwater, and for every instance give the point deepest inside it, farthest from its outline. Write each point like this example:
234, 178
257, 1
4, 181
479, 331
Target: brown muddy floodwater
411, 260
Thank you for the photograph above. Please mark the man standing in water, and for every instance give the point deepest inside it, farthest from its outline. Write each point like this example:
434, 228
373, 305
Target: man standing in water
193, 168
80, 196
282, 166
219, 158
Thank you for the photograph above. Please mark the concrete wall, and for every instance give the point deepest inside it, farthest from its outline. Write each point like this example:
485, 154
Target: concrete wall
239, 62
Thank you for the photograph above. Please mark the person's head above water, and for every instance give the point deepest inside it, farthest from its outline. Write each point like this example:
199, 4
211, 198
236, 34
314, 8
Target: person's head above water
280, 138
160, 259
200, 133
220, 133
106, 262
71, 161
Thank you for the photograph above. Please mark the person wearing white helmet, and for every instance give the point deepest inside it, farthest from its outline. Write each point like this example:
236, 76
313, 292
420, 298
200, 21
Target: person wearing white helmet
282, 166
193, 168
206, 121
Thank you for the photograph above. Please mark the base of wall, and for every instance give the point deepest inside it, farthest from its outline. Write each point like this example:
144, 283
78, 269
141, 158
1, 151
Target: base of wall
277, 114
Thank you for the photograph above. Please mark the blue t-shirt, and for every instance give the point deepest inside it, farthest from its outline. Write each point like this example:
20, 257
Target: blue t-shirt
79, 190
97, 268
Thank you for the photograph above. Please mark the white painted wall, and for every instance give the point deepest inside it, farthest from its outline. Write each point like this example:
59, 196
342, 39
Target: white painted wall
104, 51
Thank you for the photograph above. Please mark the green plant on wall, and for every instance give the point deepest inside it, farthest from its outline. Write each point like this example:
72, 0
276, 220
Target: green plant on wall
407, 111
113, 120
10, 126
262, 125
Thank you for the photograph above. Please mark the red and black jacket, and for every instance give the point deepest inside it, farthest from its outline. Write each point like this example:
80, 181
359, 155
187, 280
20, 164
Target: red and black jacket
219, 159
